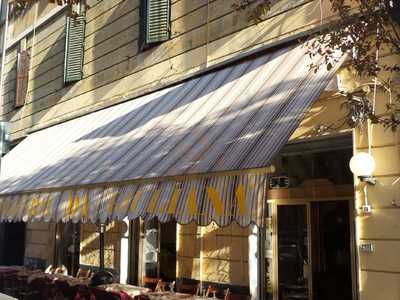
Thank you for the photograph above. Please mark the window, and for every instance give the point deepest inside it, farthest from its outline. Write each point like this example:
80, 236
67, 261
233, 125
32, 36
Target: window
74, 47
3, 16
154, 22
3, 12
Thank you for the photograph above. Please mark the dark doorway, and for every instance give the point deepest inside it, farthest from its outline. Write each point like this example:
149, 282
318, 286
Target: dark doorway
293, 252
331, 250
168, 251
314, 251
67, 246
159, 250
12, 237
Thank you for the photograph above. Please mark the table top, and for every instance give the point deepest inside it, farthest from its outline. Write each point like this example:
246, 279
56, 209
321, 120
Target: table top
167, 296
131, 290
6, 297
69, 279
6, 269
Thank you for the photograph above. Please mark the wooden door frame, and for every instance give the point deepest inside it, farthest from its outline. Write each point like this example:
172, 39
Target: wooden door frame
275, 269
274, 227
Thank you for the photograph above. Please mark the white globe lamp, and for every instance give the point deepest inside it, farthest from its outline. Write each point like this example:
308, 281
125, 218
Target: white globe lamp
363, 165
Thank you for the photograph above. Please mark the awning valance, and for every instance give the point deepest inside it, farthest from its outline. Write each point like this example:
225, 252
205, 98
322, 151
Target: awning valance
195, 151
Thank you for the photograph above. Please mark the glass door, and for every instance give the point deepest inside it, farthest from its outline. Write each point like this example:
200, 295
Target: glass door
307, 252
159, 250
151, 248
294, 278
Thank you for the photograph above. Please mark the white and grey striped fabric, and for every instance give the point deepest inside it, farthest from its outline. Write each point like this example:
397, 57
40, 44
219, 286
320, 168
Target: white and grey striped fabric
166, 154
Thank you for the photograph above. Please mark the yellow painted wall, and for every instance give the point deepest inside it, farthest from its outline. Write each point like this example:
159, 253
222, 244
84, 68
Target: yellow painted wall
213, 254
39, 241
203, 33
379, 272
224, 251
327, 111
18, 24
89, 248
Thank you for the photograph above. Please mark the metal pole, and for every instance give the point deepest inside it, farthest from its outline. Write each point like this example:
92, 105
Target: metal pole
3, 54
101, 238
55, 246
74, 237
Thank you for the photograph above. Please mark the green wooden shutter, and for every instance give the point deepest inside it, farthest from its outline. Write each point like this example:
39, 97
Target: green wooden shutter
74, 48
158, 19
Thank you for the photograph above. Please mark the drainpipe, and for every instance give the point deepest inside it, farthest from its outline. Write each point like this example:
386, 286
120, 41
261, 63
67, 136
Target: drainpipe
3, 54
3, 60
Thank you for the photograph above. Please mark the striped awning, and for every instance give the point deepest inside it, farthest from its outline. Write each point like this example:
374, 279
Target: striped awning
196, 151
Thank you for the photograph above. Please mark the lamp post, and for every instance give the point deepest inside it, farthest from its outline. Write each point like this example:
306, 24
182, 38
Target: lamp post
102, 276
102, 229
363, 165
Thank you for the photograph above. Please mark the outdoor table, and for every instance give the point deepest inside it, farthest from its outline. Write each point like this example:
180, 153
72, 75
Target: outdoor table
130, 290
5, 271
12, 268
70, 280
164, 296
9, 278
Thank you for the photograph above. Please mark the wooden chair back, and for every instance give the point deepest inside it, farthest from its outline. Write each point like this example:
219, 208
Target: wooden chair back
231, 296
50, 270
150, 282
84, 273
161, 286
211, 291
188, 288
61, 270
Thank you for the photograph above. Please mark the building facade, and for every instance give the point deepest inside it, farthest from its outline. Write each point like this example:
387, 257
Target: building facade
119, 64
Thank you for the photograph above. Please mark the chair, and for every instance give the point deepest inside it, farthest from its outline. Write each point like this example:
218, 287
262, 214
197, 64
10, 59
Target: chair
42, 288
161, 286
228, 295
61, 270
50, 269
231, 296
188, 288
150, 282
102, 294
83, 292
65, 290
211, 291
84, 273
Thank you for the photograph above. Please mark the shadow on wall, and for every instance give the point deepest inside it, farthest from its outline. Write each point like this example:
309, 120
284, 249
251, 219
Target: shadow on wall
9, 88
45, 74
159, 140
325, 112
224, 254
111, 57
89, 251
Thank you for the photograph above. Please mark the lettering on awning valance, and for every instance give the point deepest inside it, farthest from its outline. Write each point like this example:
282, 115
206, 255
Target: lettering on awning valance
222, 199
